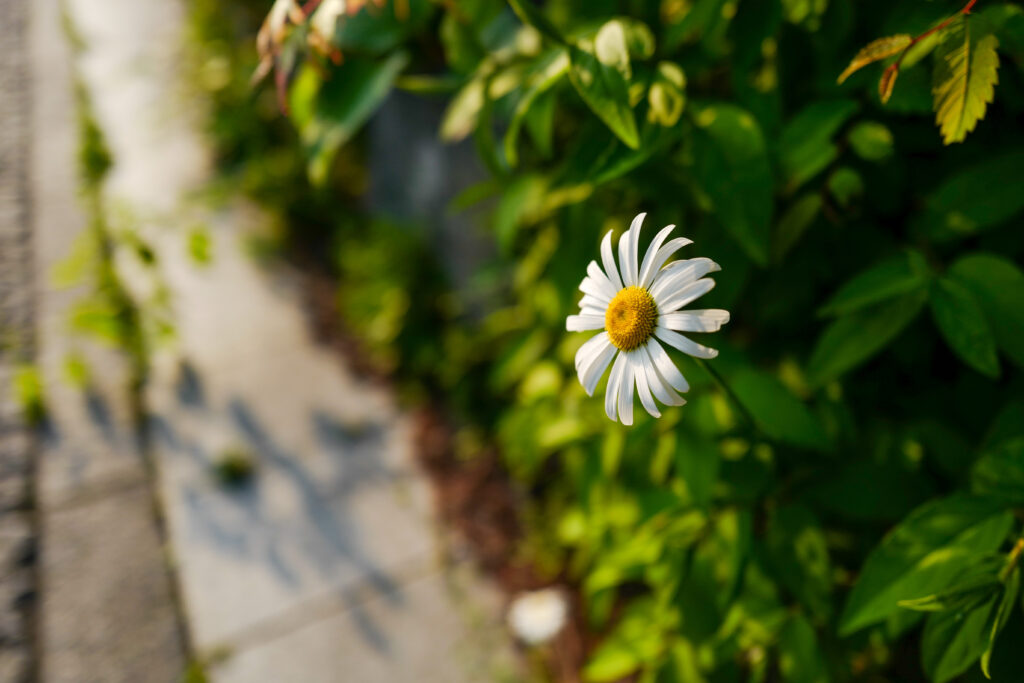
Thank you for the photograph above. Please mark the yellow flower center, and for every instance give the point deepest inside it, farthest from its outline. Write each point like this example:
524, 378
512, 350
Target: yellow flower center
630, 318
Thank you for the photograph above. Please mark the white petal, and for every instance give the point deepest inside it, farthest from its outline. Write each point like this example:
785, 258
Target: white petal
582, 323
663, 255
607, 288
594, 310
594, 289
590, 374
675, 299
589, 301
609, 261
643, 389
685, 345
652, 252
626, 392
614, 384
663, 391
590, 348
678, 273
710, 320
666, 368
629, 245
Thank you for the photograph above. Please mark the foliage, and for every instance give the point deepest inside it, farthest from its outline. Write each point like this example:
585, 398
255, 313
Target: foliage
840, 498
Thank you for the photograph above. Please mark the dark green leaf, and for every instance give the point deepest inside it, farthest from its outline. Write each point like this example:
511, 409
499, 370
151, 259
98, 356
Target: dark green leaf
954, 640
805, 147
998, 286
794, 223
544, 75
923, 554
779, 414
731, 167
974, 198
1007, 601
797, 554
531, 15
858, 336
901, 274
329, 113
999, 474
598, 77
800, 656
964, 325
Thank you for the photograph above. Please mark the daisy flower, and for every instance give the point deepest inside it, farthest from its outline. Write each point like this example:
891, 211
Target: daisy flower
637, 306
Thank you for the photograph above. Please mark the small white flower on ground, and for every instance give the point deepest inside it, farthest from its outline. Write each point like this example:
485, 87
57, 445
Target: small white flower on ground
536, 617
637, 305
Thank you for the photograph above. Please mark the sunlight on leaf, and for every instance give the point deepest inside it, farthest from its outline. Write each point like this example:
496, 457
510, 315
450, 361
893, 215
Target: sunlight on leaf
874, 51
964, 80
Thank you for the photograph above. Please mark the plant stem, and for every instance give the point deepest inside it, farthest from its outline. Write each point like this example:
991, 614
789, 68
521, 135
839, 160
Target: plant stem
730, 393
895, 66
1011, 560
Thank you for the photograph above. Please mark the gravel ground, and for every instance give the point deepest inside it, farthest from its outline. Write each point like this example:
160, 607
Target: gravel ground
17, 543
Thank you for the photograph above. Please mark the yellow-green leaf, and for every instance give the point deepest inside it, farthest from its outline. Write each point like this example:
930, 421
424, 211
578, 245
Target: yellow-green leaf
876, 50
887, 82
964, 79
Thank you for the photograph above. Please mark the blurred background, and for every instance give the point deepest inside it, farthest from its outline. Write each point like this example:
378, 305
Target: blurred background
287, 393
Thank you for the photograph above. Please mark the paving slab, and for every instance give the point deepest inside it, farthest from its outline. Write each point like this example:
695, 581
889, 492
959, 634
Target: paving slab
106, 612
325, 563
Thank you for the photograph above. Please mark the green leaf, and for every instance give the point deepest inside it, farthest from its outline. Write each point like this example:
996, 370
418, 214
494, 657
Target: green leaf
998, 286
779, 414
667, 95
964, 79
901, 274
1007, 602
806, 147
964, 326
544, 75
794, 222
696, 466
845, 184
463, 112
978, 582
923, 554
797, 554
532, 16
865, 491
954, 639
327, 114
874, 51
731, 167
974, 199
871, 141
854, 338
999, 473
800, 656
599, 78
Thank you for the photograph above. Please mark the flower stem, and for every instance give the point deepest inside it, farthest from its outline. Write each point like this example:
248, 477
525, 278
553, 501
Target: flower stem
720, 381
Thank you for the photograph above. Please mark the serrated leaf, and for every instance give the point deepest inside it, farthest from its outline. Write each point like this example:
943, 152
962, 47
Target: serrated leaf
874, 51
964, 79
964, 326
923, 554
901, 274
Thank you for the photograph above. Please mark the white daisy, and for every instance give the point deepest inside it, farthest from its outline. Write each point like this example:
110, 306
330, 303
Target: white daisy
635, 310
